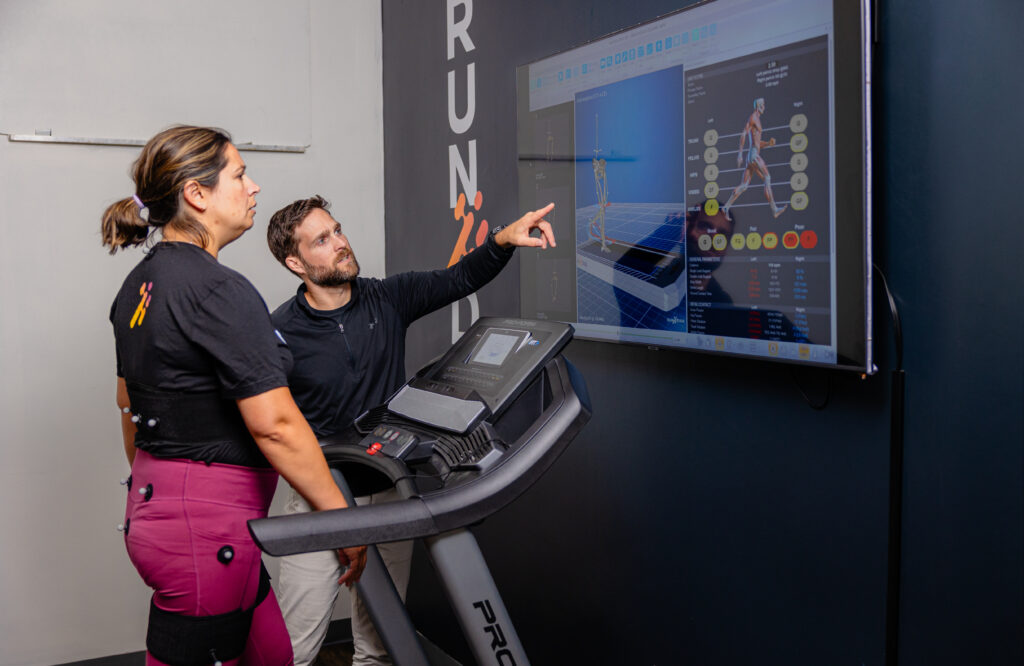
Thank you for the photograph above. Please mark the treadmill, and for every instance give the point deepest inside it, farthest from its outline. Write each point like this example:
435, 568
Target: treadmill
462, 439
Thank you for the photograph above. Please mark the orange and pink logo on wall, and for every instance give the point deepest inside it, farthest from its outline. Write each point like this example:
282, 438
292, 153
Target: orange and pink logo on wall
146, 291
468, 221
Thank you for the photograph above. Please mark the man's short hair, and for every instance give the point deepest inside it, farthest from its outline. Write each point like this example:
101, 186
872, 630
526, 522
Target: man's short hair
281, 230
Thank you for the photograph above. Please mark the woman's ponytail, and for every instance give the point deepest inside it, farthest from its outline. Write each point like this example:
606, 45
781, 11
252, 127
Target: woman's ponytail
123, 225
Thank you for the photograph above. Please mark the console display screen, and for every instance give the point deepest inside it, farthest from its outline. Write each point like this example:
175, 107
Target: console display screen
709, 172
495, 348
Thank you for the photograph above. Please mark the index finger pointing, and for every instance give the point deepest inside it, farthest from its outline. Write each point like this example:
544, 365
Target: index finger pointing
545, 210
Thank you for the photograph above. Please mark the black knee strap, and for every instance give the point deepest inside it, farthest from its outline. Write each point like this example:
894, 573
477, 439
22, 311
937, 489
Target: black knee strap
188, 640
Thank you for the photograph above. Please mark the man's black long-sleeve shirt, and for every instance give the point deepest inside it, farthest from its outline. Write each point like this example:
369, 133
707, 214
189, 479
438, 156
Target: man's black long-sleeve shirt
350, 359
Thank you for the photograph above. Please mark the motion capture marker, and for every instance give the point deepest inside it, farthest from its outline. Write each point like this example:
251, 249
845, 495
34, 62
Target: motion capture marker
711, 205
798, 123
711, 172
711, 155
799, 201
754, 240
216, 661
798, 143
711, 190
704, 242
147, 492
710, 137
719, 241
226, 554
798, 182
798, 162
136, 418
152, 422
770, 240
738, 242
126, 410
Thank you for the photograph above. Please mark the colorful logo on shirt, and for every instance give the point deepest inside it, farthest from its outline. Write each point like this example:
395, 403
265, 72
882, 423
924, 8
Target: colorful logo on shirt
462, 244
140, 312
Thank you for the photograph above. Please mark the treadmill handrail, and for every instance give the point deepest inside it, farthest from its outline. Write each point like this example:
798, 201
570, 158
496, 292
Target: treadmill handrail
448, 509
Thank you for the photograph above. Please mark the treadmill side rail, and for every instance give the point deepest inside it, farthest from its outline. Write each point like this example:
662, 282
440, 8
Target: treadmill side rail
341, 528
448, 509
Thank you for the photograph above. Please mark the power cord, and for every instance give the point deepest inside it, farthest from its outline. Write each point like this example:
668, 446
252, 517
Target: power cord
896, 419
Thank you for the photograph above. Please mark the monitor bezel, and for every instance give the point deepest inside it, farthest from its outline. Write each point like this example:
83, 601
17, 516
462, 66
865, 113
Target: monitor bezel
852, 34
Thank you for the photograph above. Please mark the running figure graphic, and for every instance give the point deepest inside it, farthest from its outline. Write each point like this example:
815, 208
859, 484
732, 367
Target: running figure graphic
750, 158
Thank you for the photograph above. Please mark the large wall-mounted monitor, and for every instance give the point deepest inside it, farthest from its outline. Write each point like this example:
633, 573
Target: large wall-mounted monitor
711, 173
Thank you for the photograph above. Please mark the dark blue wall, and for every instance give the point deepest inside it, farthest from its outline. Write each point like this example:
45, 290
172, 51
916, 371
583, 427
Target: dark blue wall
950, 237
707, 514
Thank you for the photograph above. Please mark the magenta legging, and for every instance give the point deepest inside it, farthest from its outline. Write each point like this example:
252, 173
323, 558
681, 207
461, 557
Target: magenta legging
180, 515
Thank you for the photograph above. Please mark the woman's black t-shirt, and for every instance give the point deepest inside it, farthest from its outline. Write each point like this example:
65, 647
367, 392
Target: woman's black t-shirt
194, 332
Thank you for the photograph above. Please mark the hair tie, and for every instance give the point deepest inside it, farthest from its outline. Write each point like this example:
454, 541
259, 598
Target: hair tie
138, 201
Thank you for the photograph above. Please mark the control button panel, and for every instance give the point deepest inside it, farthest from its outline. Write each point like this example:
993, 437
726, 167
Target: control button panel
390, 441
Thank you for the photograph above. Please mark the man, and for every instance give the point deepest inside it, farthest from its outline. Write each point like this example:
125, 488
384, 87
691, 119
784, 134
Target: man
750, 158
347, 338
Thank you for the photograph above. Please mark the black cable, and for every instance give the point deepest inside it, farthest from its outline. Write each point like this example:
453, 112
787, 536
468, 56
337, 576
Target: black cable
828, 390
893, 577
897, 328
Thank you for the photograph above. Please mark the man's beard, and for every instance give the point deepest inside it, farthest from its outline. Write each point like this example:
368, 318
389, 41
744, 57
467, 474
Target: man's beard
332, 276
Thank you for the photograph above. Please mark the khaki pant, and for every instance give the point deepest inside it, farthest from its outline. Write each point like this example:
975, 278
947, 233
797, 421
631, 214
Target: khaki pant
307, 589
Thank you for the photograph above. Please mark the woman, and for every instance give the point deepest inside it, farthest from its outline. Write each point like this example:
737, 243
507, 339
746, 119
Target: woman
207, 417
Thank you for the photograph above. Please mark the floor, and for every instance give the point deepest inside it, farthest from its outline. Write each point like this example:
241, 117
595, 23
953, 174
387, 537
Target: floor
338, 654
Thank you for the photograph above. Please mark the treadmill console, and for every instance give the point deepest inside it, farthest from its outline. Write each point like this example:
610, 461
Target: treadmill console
482, 374
463, 438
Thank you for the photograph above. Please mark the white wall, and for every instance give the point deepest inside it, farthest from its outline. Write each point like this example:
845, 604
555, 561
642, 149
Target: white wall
67, 589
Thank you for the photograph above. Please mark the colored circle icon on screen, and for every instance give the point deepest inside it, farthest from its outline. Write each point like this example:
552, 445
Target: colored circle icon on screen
710, 137
798, 123
719, 241
711, 206
711, 189
799, 200
711, 172
798, 162
770, 240
790, 240
808, 240
798, 182
738, 241
704, 242
711, 155
798, 143
754, 240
